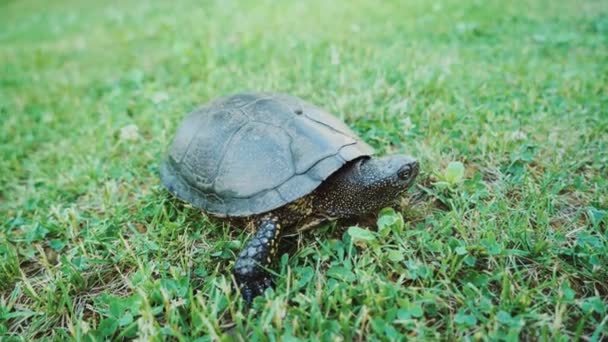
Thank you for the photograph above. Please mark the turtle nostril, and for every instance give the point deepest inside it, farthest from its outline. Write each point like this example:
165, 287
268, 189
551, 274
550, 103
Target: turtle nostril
416, 167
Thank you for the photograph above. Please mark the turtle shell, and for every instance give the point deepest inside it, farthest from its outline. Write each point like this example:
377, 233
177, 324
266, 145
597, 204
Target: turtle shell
250, 153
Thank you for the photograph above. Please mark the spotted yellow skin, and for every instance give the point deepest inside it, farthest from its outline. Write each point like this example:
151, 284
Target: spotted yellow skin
296, 217
261, 250
359, 187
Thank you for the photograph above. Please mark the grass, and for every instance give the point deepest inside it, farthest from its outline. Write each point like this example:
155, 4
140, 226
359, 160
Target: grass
92, 247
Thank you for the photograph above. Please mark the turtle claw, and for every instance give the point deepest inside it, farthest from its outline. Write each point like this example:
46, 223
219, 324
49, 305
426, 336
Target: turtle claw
252, 288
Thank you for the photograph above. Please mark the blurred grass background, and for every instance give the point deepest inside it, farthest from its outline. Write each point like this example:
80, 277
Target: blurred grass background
92, 247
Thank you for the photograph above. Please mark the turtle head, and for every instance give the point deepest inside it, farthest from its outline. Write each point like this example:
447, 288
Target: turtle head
367, 184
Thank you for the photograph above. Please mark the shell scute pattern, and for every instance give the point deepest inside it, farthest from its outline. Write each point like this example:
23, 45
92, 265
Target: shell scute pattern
271, 157
251, 153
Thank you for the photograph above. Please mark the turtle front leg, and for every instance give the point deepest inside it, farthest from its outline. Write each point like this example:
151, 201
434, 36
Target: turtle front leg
258, 254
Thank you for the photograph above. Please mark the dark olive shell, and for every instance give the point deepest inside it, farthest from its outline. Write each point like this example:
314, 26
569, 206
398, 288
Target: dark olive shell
250, 153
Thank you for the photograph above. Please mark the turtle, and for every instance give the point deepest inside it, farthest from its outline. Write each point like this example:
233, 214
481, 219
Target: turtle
280, 165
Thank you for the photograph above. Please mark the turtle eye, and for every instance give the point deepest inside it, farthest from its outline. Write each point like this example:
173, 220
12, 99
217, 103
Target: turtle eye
405, 172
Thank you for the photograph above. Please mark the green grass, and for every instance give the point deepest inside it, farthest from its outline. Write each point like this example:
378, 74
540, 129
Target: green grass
92, 246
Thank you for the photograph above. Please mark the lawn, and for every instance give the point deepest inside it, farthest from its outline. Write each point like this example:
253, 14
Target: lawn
92, 247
